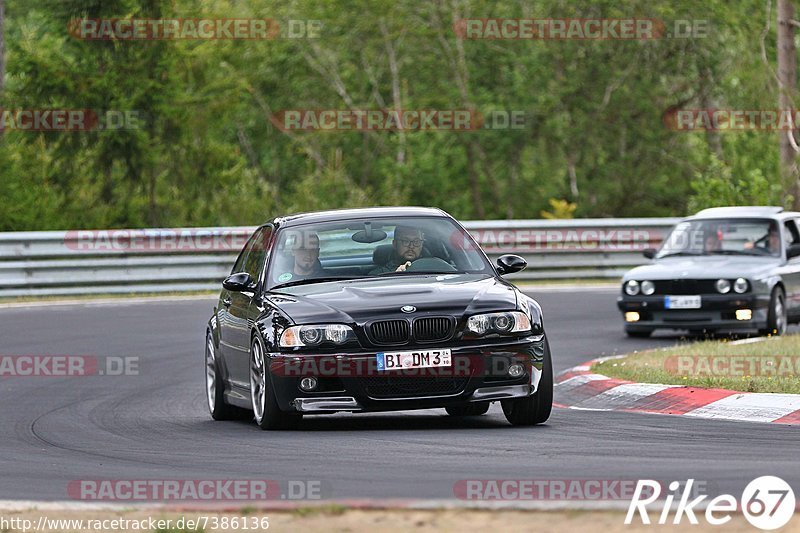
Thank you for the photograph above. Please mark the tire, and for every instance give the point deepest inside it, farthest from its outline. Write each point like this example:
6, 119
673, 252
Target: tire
265, 407
215, 388
468, 409
534, 409
638, 333
776, 316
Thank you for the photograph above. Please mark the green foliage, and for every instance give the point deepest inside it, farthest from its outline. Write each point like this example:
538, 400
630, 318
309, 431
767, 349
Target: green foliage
206, 152
718, 186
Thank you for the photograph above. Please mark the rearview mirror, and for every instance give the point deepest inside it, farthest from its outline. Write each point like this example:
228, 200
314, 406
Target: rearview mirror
238, 282
510, 263
649, 253
793, 251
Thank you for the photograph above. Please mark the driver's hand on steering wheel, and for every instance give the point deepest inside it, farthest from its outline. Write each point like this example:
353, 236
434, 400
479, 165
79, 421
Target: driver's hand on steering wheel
403, 267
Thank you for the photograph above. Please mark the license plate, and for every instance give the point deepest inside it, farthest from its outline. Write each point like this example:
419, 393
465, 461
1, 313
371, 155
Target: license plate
682, 302
417, 359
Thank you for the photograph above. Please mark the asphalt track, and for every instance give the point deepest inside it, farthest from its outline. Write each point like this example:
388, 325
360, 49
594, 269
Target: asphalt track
155, 425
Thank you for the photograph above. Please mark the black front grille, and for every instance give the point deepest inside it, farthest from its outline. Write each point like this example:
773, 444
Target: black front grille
389, 331
433, 329
407, 386
686, 286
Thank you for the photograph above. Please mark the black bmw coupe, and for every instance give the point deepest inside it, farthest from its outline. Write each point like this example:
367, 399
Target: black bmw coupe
379, 309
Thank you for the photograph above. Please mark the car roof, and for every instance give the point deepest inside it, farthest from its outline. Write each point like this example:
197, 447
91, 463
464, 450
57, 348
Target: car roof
760, 211
361, 213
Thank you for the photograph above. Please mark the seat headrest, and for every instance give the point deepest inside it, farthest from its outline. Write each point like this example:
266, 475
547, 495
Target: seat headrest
382, 254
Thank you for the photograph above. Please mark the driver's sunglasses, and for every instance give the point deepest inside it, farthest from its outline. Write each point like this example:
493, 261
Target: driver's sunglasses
416, 243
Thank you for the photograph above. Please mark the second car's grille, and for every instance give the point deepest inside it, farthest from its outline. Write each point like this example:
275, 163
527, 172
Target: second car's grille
389, 331
433, 329
405, 386
685, 286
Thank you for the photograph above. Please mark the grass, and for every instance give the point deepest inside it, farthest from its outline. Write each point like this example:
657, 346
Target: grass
329, 509
769, 366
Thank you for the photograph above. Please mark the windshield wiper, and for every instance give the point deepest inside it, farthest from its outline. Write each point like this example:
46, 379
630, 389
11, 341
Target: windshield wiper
312, 280
731, 252
682, 252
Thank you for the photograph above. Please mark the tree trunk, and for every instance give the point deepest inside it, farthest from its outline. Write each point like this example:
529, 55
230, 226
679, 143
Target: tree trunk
787, 78
2, 50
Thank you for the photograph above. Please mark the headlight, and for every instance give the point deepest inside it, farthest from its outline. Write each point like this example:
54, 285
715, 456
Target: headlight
648, 287
740, 285
723, 286
502, 323
297, 336
632, 288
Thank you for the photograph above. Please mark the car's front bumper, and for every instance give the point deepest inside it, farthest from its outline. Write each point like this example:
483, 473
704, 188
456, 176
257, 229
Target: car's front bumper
349, 382
717, 311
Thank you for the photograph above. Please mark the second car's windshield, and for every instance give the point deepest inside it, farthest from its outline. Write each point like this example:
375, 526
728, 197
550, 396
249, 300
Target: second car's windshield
373, 247
724, 236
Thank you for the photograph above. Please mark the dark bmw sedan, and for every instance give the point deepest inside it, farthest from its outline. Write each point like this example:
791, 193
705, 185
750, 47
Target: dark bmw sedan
379, 309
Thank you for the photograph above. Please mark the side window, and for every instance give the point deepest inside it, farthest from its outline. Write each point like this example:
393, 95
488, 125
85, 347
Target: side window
238, 266
792, 235
257, 252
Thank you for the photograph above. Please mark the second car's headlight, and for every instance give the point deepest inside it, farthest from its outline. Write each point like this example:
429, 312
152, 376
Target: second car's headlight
648, 287
297, 336
502, 323
740, 285
723, 286
632, 288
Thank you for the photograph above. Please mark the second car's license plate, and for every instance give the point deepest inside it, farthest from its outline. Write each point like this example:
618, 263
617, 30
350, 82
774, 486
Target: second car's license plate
682, 302
417, 359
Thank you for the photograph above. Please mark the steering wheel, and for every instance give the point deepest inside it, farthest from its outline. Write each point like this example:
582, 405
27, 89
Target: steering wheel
430, 264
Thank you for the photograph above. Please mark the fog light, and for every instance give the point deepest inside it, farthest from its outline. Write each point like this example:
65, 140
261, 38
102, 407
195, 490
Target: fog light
309, 384
744, 314
515, 371
631, 316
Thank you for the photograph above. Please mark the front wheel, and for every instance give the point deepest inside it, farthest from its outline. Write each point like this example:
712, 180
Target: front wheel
215, 388
468, 409
776, 316
534, 409
265, 407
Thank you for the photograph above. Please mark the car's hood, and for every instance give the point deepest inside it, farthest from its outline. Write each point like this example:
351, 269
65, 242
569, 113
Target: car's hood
705, 267
367, 299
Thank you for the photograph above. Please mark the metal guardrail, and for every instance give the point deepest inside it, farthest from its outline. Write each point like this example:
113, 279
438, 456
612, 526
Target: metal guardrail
195, 259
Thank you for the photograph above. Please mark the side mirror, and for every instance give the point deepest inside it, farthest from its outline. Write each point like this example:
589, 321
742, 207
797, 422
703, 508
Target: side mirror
793, 251
649, 253
238, 282
510, 263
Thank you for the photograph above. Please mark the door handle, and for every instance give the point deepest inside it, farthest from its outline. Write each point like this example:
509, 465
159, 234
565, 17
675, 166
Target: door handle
227, 301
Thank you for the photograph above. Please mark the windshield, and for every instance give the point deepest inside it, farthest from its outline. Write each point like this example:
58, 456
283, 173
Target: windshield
723, 236
369, 248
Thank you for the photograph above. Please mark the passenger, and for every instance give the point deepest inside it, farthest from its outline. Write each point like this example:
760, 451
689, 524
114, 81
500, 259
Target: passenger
305, 258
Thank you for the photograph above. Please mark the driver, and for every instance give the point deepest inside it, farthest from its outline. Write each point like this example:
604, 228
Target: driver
407, 244
769, 243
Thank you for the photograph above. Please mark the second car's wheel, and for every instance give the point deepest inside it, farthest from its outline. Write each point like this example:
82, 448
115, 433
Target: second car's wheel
468, 409
215, 388
776, 316
265, 407
638, 333
534, 409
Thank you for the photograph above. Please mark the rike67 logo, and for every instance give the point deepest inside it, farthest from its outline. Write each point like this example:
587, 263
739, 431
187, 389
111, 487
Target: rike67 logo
768, 503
